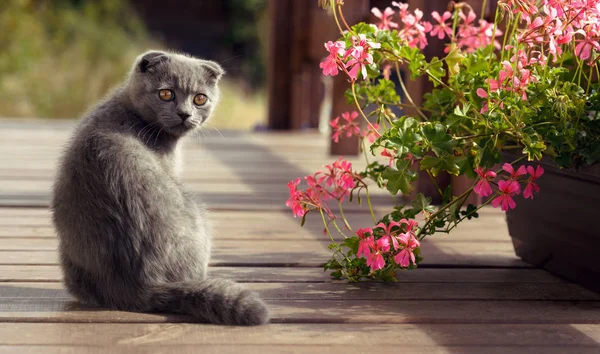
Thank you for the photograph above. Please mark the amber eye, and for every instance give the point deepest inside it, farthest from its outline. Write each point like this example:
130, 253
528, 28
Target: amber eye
166, 95
200, 99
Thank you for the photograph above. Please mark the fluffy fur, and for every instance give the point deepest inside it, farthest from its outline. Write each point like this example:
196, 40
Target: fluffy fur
131, 238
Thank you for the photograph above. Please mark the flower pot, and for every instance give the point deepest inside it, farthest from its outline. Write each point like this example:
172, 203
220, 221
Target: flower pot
558, 230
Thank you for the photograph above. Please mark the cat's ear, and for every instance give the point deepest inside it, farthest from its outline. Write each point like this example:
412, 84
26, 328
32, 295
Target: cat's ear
213, 70
150, 59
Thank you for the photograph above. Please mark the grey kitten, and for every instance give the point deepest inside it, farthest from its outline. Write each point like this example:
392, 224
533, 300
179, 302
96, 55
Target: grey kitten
131, 238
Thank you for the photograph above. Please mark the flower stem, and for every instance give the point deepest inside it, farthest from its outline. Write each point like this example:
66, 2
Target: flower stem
333, 8
361, 111
335, 244
434, 215
408, 97
343, 217
472, 212
370, 206
435, 183
362, 143
344, 20
338, 228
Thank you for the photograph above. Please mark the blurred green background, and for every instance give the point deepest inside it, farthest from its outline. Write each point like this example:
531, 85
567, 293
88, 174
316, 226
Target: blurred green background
59, 57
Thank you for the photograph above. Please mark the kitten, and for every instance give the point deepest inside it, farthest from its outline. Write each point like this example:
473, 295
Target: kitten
131, 238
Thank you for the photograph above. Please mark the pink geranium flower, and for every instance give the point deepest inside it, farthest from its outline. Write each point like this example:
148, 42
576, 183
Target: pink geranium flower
390, 155
410, 224
330, 64
442, 27
514, 175
384, 18
531, 186
348, 126
371, 134
294, 201
375, 259
387, 231
408, 242
508, 189
359, 56
482, 187
585, 46
363, 245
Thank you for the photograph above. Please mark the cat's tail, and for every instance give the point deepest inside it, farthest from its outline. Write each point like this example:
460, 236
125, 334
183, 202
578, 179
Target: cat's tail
218, 301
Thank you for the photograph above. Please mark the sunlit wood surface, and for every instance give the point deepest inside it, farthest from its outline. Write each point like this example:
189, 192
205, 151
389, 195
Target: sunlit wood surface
471, 295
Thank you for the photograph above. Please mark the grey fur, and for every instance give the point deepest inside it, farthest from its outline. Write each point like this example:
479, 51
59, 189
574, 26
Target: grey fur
131, 238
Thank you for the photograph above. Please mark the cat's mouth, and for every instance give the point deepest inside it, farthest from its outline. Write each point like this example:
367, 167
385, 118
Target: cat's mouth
182, 127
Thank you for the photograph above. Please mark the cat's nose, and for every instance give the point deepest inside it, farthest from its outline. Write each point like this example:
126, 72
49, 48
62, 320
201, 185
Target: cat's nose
183, 115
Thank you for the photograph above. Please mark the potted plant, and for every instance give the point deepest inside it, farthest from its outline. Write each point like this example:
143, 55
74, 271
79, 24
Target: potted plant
525, 101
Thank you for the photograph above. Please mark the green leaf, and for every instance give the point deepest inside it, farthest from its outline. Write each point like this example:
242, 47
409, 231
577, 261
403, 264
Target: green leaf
437, 138
400, 180
423, 203
436, 69
470, 212
437, 164
453, 60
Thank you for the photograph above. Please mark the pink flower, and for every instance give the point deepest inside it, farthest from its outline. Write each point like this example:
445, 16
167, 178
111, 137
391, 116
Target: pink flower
294, 202
514, 175
584, 48
409, 242
410, 224
363, 245
339, 178
531, 186
352, 127
349, 126
358, 63
371, 134
482, 187
441, 28
508, 189
390, 155
375, 259
387, 232
359, 56
385, 21
330, 64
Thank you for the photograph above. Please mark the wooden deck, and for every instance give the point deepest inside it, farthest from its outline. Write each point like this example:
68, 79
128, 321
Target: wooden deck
471, 295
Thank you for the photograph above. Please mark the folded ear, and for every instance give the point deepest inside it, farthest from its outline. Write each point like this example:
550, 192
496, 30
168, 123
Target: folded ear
213, 70
149, 60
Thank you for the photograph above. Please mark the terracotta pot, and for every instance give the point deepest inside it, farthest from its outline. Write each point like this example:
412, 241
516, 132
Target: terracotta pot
559, 230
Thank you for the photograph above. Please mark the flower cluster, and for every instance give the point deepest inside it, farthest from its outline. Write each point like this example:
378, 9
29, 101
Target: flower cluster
349, 126
469, 36
353, 60
558, 24
395, 241
510, 186
333, 184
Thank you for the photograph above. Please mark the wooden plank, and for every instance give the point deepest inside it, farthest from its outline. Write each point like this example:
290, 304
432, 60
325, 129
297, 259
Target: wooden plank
51, 273
331, 311
362, 291
292, 349
408, 335
260, 225
289, 253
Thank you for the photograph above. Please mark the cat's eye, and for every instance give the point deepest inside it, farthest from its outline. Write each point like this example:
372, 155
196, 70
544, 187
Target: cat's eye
166, 95
200, 99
